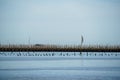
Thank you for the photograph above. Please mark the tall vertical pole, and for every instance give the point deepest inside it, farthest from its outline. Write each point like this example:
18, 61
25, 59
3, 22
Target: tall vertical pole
82, 40
81, 43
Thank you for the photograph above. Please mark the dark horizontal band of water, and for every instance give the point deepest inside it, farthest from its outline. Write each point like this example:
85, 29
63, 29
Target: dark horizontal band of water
55, 48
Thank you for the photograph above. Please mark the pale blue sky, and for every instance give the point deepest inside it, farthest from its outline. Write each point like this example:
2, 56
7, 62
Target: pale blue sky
60, 21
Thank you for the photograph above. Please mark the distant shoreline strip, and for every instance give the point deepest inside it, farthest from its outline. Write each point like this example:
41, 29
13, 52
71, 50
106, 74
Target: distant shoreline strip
59, 48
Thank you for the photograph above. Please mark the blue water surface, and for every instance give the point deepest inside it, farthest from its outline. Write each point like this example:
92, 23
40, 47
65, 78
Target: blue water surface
59, 68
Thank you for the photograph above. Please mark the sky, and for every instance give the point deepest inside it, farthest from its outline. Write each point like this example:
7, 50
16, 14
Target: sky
60, 22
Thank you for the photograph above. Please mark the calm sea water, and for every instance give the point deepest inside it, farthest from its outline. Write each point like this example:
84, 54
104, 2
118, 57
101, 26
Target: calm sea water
59, 68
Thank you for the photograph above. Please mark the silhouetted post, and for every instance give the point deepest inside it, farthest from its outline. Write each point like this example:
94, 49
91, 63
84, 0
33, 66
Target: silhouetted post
95, 54
82, 40
81, 43
61, 54
53, 54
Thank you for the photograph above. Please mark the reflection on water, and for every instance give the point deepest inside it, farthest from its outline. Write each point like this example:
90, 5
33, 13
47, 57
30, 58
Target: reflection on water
60, 67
